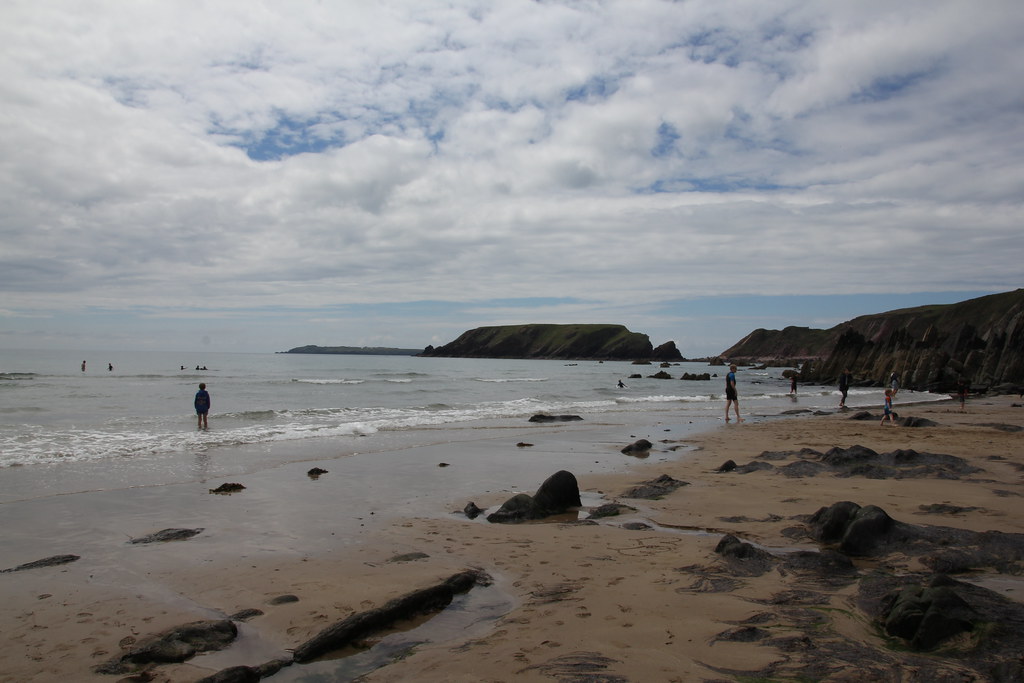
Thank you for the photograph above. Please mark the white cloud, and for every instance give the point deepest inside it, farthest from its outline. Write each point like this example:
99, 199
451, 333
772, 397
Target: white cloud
234, 156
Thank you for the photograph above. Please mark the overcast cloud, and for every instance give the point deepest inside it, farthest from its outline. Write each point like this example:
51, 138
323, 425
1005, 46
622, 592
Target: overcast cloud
252, 176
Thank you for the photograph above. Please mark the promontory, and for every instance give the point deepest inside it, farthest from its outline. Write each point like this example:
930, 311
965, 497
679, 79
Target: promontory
561, 342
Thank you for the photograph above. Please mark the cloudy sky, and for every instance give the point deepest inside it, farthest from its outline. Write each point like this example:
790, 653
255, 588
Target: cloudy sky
241, 175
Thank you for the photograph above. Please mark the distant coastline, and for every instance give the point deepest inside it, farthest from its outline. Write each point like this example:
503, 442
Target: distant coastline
354, 350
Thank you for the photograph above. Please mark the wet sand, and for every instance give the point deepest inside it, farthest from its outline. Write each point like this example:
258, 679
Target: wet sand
568, 598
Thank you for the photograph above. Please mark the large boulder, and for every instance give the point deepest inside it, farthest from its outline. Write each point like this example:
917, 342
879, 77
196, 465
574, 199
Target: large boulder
559, 493
857, 530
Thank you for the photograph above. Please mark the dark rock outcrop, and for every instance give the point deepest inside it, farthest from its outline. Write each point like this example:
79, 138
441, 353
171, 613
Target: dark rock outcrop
174, 645
54, 561
638, 447
930, 347
597, 342
166, 535
363, 624
555, 418
559, 493
655, 488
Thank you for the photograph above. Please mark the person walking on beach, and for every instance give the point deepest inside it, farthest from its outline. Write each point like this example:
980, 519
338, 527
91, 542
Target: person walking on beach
792, 384
844, 386
961, 393
894, 383
887, 408
202, 403
731, 396
83, 366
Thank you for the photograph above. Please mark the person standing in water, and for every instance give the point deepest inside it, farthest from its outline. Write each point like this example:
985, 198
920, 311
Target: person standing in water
202, 404
731, 396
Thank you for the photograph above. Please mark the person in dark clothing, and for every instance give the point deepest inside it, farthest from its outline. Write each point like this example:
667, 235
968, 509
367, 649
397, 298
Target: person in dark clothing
844, 386
202, 404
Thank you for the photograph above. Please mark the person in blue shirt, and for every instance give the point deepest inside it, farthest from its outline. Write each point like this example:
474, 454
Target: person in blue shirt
202, 403
887, 408
731, 396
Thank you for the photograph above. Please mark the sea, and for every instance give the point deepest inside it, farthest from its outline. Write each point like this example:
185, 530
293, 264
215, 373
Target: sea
137, 405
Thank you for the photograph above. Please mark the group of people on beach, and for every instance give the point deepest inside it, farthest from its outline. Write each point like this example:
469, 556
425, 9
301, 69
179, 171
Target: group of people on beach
110, 367
845, 379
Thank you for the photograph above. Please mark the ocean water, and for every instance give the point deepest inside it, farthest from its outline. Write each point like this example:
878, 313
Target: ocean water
53, 413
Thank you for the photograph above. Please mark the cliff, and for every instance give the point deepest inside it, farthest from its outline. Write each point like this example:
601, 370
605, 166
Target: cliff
577, 342
931, 347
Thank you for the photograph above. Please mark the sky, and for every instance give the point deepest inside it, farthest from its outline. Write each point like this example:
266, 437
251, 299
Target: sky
250, 176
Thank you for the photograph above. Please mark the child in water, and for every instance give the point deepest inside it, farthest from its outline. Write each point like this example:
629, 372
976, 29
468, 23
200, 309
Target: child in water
888, 407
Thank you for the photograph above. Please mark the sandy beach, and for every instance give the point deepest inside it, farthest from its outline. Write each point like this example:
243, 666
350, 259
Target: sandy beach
642, 596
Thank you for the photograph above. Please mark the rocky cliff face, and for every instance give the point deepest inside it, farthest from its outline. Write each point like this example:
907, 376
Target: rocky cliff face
930, 347
596, 342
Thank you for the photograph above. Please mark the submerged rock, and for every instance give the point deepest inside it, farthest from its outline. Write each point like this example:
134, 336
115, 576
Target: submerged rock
168, 535
54, 561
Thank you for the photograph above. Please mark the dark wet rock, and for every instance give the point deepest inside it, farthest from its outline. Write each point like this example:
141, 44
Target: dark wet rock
742, 634
559, 493
910, 421
166, 535
753, 467
803, 468
695, 377
636, 526
862, 415
824, 568
53, 561
229, 487
656, 488
744, 559
555, 418
408, 557
234, 674
444, 464
926, 615
361, 625
946, 509
660, 374
518, 508
577, 667
283, 599
472, 511
609, 510
796, 411
856, 529
316, 472
727, 466
523, 444
845, 457
246, 614
638, 447
174, 645
1002, 427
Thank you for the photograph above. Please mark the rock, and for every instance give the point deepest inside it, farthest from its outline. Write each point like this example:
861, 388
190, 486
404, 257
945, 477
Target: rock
727, 466
518, 508
523, 444
559, 493
166, 535
609, 510
917, 422
702, 377
54, 561
656, 488
660, 374
283, 599
174, 645
925, 617
555, 418
472, 511
638, 447
234, 674
228, 488
246, 614
361, 625
408, 557
856, 529
315, 473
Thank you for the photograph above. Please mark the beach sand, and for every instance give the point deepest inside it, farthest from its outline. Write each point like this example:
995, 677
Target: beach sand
570, 601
